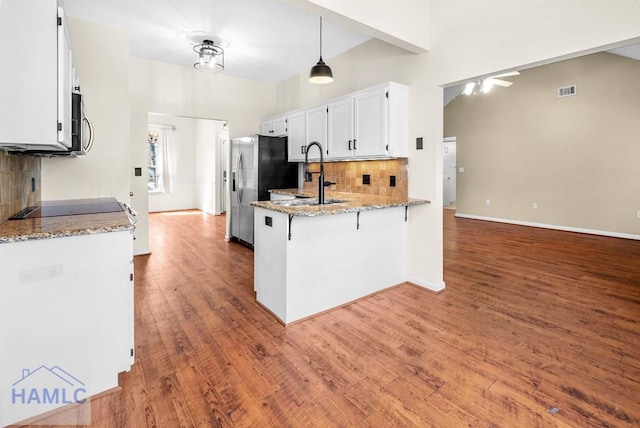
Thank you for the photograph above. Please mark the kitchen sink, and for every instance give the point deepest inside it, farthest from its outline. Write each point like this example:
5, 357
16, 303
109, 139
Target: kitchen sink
305, 202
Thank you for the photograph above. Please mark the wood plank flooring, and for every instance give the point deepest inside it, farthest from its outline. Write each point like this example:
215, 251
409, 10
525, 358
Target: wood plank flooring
536, 328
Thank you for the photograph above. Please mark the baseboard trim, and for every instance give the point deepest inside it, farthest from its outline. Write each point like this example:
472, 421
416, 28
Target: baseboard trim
552, 226
432, 286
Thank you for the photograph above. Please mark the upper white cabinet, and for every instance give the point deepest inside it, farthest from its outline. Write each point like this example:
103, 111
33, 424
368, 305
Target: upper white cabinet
316, 130
368, 124
297, 136
36, 77
340, 124
276, 127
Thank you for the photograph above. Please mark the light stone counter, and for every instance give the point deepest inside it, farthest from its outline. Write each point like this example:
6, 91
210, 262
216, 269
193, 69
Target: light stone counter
348, 203
55, 227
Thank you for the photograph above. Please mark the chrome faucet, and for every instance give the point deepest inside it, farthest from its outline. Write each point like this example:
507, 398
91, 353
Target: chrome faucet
307, 173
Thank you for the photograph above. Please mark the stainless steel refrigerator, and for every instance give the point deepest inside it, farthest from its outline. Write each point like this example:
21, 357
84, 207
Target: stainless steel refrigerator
258, 164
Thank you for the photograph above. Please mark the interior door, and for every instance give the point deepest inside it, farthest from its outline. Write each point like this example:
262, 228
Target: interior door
449, 171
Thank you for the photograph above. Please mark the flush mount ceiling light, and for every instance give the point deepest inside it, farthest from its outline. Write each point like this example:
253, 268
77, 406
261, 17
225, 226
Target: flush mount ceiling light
210, 57
483, 86
321, 72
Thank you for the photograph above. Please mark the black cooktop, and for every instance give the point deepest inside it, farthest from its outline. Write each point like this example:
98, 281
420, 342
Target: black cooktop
70, 207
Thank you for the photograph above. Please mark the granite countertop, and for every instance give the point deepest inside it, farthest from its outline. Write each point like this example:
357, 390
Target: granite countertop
349, 202
56, 227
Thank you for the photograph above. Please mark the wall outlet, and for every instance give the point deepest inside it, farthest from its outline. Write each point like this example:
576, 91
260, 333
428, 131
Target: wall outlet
535, 205
638, 215
392, 181
487, 202
366, 179
419, 144
461, 170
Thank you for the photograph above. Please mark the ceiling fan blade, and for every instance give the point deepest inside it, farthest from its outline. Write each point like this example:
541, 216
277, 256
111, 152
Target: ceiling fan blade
511, 73
499, 82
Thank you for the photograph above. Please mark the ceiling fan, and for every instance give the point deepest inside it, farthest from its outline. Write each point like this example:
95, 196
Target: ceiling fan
483, 86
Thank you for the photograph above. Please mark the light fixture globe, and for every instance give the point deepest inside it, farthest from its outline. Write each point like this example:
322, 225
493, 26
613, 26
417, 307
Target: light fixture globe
321, 73
210, 57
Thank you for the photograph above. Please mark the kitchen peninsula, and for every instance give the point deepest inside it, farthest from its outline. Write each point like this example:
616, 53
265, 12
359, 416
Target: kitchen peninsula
310, 258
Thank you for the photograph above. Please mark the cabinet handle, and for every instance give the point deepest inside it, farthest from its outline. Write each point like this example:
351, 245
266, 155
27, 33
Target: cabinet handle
302, 149
349, 144
354, 144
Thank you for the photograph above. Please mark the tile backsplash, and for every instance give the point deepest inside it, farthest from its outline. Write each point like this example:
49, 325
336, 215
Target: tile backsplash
348, 177
16, 174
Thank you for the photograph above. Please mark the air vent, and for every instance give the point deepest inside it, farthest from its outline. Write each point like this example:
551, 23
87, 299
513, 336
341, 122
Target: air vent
567, 91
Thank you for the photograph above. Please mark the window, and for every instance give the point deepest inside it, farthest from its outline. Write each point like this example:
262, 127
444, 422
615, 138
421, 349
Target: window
160, 158
154, 162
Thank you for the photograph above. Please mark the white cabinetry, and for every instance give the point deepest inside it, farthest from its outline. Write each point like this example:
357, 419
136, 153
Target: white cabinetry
276, 127
340, 123
66, 302
369, 124
328, 260
370, 138
36, 77
316, 130
296, 136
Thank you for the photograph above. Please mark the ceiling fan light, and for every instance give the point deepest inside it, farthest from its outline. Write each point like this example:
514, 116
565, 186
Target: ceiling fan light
486, 86
468, 88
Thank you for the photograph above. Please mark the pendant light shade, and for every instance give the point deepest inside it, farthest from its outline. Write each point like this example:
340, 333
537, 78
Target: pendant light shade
321, 72
210, 57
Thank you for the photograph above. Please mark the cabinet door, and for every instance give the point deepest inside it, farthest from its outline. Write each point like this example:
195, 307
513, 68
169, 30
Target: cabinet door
65, 81
280, 126
29, 74
340, 129
382, 249
266, 128
296, 136
370, 113
316, 124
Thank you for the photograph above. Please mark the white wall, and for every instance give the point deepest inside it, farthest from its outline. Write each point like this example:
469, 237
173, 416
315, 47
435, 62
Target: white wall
182, 91
182, 194
576, 157
208, 165
101, 56
405, 30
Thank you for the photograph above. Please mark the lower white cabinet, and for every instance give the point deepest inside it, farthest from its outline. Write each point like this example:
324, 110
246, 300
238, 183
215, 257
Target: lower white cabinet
65, 304
306, 265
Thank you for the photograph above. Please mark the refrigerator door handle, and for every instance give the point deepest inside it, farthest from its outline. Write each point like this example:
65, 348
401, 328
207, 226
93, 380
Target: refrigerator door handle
241, 176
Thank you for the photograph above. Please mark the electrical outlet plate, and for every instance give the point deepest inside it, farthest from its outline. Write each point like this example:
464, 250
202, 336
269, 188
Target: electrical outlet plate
638, 215
487, 202
535, 205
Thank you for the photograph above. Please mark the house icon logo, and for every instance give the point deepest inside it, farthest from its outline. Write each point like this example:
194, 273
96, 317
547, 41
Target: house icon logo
47, 386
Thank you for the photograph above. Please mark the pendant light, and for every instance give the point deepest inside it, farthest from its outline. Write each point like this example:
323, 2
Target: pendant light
321, 72
210, 57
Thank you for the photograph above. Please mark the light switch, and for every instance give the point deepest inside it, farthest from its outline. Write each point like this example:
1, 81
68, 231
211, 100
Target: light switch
461, 170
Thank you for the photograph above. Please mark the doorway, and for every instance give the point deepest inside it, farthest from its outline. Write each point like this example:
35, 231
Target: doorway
449, 173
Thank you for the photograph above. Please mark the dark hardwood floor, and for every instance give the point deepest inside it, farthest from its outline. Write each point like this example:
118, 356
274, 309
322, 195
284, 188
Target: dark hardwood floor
536, 328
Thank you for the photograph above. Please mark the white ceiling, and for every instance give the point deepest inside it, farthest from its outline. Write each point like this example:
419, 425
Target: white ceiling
267, 40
